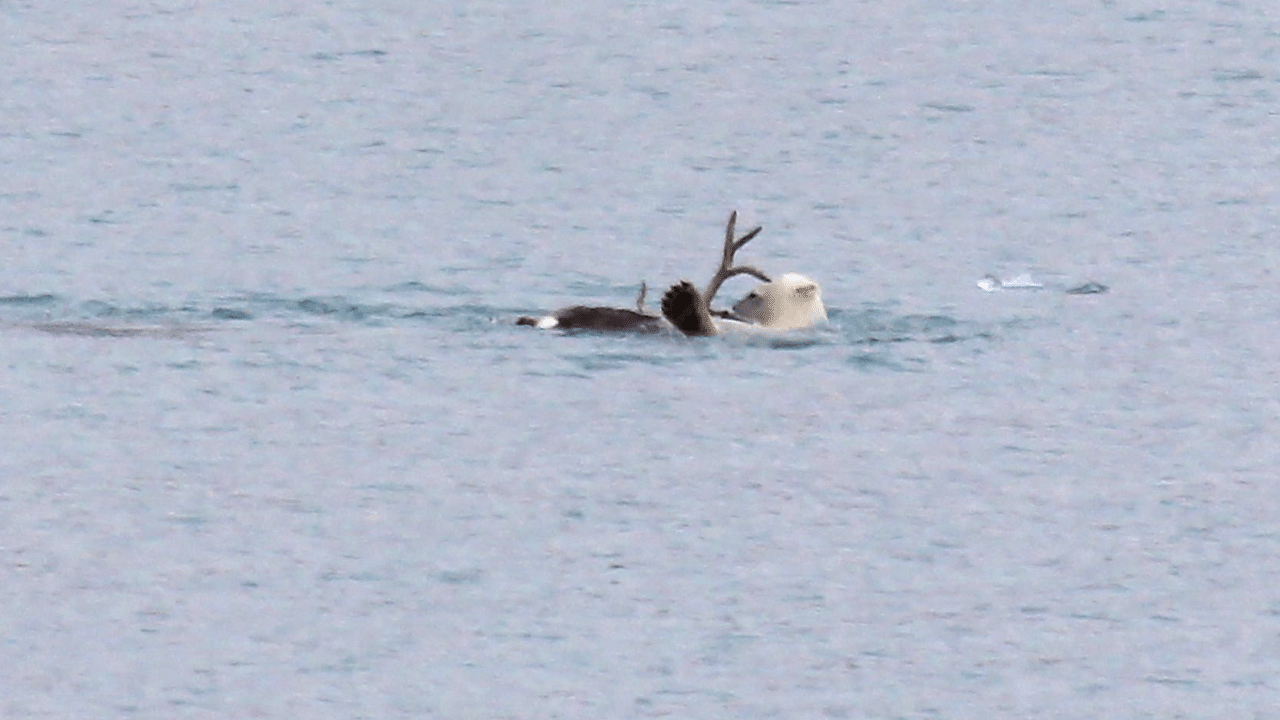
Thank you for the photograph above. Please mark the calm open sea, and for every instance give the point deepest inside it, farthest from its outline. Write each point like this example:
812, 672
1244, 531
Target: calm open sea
271, 446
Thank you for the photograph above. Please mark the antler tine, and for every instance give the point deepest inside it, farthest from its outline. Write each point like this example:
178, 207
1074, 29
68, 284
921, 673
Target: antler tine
727, 268
747, 238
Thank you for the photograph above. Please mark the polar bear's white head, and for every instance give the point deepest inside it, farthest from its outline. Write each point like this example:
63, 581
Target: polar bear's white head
789, 302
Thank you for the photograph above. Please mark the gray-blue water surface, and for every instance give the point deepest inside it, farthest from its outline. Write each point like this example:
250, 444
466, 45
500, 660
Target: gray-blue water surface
272, 448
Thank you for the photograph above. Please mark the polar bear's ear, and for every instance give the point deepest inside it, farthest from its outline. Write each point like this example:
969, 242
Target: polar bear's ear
807, 291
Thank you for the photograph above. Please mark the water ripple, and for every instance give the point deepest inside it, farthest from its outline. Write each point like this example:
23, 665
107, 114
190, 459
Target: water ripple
40, 300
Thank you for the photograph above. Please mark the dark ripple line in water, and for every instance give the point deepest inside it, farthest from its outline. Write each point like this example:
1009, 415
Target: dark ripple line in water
615, 360
415, 286
29, 300
884, 361
335, 307
31, 308
875, 327
82, 329
221, 313
101, 309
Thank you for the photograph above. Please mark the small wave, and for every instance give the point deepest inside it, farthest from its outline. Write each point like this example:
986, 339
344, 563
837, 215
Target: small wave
1089, 288
93, 330
41, 300
613, 360
414, 286
332, 307
222, 313
875, 327
1237, 75
884, 361
323, 56
335, 306
110, 310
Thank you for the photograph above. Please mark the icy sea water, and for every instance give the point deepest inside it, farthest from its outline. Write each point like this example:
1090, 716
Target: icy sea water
270, 446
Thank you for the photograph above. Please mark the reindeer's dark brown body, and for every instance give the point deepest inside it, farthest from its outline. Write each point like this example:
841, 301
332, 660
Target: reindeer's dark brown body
601, 319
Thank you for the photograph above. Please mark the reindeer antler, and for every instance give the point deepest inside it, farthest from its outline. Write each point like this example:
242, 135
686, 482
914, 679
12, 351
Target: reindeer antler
727, 268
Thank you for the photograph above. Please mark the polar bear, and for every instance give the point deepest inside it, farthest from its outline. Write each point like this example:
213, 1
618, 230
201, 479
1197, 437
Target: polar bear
789, 302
